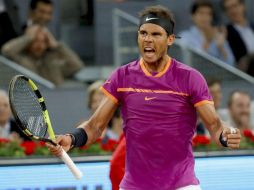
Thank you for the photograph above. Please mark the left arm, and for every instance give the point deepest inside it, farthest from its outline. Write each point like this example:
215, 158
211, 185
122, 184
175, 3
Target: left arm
215, 126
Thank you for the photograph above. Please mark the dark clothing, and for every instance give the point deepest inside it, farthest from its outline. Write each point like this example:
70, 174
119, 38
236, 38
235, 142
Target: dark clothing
15, 128
9, 22
200, 129
236, 43
6, 29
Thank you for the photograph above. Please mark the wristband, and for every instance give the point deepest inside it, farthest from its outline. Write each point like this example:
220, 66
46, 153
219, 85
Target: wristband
222, 141
79, 137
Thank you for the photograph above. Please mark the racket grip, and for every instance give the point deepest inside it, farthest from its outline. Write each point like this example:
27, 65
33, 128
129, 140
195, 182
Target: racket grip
73, 168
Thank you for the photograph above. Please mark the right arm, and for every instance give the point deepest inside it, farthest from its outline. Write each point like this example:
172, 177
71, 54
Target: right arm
99, 120
93, 127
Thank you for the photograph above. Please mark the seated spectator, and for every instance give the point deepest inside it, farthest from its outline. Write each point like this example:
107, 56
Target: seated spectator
246, 64
95, 95
114, 128
240, 32
204, 36
38, 51
239, 107
214, 86
40, 12
8, 128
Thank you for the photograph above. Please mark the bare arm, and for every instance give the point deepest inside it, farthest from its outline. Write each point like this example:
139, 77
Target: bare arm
215, 126
99, 120
93, 127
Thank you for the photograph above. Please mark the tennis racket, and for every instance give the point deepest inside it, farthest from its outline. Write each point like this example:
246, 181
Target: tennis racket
30, 112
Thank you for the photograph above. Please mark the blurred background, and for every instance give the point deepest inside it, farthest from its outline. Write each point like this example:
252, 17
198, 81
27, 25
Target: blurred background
70, 47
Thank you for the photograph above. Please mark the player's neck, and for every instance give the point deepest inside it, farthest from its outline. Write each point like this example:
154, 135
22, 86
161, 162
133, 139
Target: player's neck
157, 66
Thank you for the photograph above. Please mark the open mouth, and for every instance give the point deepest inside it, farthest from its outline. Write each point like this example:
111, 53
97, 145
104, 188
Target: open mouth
149, 50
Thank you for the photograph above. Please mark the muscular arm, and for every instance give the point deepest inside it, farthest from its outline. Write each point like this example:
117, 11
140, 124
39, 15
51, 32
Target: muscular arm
211, 120
215, 126
99, 120
93, 127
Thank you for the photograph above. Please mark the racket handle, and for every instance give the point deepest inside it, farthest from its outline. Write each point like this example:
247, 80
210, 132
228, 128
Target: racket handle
73, 168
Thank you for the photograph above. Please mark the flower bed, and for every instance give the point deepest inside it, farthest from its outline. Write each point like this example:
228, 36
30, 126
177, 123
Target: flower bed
32, 148
204, 143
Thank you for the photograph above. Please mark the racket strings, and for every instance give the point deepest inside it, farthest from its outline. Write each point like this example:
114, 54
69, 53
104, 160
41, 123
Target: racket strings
28, 108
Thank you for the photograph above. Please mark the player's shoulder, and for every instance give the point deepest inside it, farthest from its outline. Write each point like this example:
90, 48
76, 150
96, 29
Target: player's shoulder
133, 65
185, 69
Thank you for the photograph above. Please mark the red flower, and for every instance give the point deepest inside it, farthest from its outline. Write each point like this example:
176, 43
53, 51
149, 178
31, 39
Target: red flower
3, 140
110, 145
201, 139
83, 147
29, 147
248, 133
98, 140
42, 144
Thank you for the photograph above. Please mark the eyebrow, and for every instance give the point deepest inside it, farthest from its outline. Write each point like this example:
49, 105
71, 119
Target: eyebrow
153, 33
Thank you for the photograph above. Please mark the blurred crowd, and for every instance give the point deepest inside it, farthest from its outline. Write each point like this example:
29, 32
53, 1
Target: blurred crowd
232, 42
33, 46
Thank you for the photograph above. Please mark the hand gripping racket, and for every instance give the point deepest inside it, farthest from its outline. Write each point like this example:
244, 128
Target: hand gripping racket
30, 112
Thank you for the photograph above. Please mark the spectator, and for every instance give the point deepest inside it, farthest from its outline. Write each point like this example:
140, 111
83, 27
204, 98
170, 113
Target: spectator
114, 128
246, 64
214, 86
10, 25
94, 95
41, 12
239, 107
8, 128
39, 51
240, 32
204, 36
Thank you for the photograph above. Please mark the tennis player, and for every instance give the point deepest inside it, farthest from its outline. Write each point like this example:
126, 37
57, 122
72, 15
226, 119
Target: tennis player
160, 98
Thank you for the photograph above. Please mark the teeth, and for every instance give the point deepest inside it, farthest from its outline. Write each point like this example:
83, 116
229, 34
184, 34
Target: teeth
149, 49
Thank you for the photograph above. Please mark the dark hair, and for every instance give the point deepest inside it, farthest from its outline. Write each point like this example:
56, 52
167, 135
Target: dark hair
34, 3
230, 99
212, 81
201, 3
159, 11
222, 3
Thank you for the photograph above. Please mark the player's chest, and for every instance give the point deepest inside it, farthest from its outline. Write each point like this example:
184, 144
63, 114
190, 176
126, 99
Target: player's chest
156, 95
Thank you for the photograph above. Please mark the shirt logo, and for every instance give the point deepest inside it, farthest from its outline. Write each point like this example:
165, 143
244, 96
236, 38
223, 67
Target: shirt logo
149, 98
147, 19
